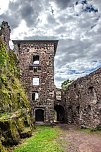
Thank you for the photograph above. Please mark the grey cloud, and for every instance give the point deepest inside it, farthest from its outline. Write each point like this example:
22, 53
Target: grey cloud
70, 50
59, 78
12, 15
61, 30
28, 15
12, 19
14, 6
51, 19
62, 3
26, 11
22, 9
30, 11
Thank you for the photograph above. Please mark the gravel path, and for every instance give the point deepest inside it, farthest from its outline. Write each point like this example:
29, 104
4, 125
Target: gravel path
76, 140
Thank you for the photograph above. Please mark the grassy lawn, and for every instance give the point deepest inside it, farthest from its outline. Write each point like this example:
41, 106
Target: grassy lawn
43, 140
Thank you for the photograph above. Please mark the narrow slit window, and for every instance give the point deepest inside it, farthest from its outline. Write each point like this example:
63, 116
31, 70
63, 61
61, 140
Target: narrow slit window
35, 81
89, 108
78, 109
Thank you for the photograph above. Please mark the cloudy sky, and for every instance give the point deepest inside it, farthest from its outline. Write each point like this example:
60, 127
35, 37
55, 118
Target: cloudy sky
75, 23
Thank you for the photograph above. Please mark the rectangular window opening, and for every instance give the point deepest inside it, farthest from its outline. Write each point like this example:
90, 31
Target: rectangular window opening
35, 81
36, 59
35, 96
35, 69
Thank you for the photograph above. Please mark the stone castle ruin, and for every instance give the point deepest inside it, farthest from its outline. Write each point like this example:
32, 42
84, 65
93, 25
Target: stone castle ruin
80, 103
83, 101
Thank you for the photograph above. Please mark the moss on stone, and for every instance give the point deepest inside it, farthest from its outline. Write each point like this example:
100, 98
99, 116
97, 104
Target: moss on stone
14, 105
2, 149
9, 132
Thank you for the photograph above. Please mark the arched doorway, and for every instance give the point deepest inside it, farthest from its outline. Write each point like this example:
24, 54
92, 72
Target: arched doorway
39, 115
60, 113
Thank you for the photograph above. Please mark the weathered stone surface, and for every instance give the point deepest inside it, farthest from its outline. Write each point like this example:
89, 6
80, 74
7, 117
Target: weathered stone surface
43, 50
83, 100
5, 33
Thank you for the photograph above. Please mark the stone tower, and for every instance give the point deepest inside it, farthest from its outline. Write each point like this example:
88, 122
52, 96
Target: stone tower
5, 33
36, 61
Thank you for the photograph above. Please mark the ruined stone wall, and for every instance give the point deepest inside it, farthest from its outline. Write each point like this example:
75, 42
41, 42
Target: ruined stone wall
25, 51
5, 34
83, 100
59, 98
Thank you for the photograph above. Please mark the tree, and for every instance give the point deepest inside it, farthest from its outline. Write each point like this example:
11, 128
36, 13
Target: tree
66, 83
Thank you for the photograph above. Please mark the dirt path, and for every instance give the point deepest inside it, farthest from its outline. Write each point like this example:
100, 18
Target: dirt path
75, 140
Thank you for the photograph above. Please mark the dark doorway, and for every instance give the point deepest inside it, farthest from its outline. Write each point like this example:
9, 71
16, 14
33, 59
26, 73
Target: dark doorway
60, 113
39, 115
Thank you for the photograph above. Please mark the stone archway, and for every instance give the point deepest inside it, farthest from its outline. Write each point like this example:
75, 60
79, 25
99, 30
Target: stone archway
39, 115
60, 113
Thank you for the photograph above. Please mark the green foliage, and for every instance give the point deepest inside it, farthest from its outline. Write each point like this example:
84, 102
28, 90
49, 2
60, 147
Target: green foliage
3, 54
13, 63
14, 131
2, 149
10, 86
66, 83
43, 141
14, 106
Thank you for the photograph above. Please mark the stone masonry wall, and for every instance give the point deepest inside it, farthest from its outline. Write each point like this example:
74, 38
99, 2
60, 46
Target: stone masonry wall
25, 51
5, 34
83, 100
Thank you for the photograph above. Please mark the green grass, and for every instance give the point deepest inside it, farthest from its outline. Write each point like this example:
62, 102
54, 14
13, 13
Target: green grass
44, 140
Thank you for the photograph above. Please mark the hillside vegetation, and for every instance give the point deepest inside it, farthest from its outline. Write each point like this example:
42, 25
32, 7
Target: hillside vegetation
15, 113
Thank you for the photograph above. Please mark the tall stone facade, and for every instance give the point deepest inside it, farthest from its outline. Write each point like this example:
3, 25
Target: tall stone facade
83, 101
36, 62
5, 33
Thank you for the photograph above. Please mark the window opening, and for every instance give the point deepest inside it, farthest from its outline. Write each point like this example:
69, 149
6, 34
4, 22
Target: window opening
35, 69
35, 81
91, 90
35, 96
36, 59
